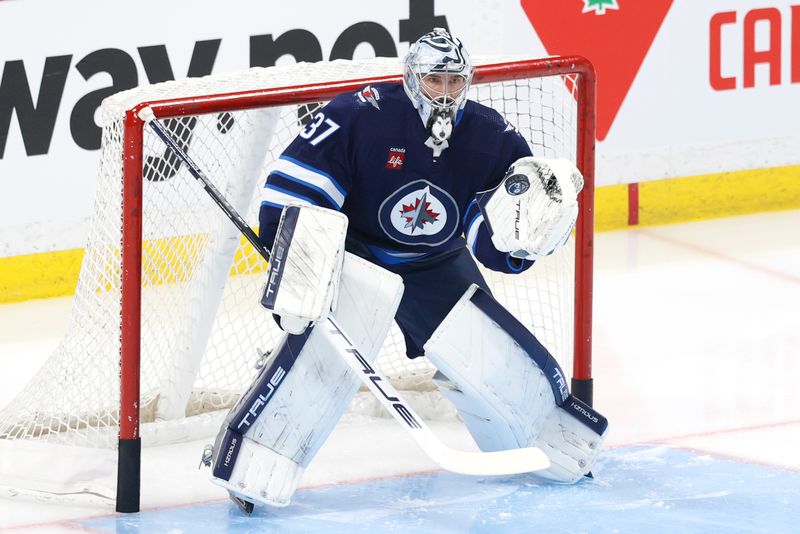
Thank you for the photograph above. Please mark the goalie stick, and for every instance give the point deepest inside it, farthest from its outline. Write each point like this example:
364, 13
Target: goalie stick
505, 462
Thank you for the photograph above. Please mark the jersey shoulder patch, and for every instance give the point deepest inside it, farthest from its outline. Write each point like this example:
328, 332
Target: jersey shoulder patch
369, 95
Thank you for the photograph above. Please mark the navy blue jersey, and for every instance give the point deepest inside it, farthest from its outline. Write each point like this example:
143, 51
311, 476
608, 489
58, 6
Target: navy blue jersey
365, 154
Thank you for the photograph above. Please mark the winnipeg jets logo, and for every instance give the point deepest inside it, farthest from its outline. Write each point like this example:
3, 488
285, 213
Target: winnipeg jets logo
371, 95
599, 6
419, 213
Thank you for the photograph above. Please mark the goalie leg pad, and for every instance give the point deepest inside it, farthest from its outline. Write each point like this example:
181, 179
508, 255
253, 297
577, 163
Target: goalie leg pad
280, 423
571, 438
252, 471
509, 391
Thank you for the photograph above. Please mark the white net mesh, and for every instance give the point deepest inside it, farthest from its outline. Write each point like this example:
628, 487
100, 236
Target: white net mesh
201, 322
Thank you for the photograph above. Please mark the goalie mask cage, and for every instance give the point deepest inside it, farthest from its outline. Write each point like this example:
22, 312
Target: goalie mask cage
165, 325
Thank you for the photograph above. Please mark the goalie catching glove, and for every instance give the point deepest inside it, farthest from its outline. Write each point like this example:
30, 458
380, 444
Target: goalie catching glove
533, 210
305, 266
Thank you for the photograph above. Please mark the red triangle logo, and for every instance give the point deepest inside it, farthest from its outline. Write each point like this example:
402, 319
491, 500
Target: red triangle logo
615, 35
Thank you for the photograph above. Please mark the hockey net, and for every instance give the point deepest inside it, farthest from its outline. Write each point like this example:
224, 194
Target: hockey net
199, 324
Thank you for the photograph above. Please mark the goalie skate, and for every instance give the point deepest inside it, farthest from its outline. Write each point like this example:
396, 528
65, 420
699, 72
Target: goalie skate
244, 506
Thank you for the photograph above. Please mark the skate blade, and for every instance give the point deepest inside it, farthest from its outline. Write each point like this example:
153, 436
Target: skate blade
244, 506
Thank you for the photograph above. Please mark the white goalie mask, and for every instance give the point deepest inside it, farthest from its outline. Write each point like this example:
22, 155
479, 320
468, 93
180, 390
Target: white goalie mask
437, 73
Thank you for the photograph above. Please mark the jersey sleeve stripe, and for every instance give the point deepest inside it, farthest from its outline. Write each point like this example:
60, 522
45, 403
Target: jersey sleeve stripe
472, 231
514, 267
315, 170
468, 211
277, 197
272, 204
309, 174
334, 203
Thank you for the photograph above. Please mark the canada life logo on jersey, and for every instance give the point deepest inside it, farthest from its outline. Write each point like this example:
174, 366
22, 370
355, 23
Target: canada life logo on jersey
419, 213
396, 158
615, 35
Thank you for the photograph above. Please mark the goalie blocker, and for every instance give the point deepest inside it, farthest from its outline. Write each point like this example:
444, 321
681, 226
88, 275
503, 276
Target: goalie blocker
509, 391
305, 266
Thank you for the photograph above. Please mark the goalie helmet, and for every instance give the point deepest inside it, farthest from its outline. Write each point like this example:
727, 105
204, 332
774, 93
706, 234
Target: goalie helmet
437, 73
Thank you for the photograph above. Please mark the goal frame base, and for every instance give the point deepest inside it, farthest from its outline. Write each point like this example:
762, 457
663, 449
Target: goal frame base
129, 469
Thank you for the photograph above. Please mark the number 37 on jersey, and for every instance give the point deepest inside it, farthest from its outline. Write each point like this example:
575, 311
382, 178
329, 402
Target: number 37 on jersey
318, 129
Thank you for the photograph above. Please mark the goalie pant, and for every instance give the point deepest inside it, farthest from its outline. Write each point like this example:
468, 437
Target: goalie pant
432, 286
509, 391
281, 421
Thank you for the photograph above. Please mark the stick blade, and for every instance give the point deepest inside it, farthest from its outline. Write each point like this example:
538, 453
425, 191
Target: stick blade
508, 462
